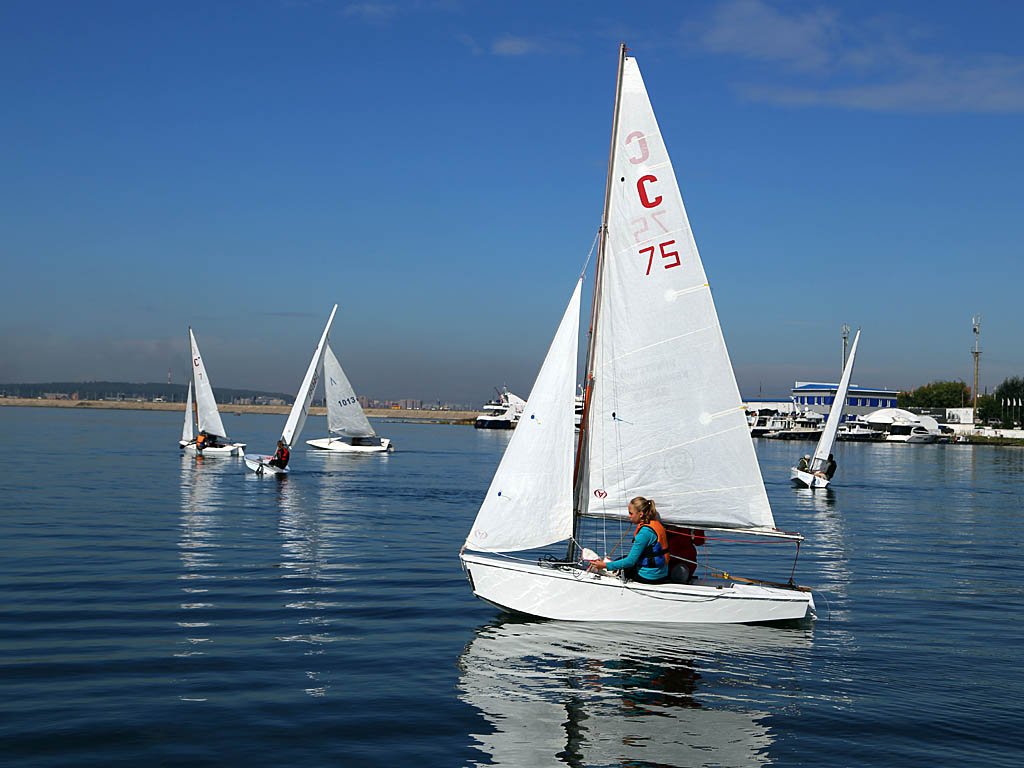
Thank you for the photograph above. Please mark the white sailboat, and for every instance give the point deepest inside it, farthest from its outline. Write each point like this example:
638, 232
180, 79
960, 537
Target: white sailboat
207, 415
349, 430
300, 408
808, 478
662, 418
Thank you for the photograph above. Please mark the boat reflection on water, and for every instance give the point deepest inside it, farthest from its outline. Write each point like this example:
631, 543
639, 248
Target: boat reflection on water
620, 694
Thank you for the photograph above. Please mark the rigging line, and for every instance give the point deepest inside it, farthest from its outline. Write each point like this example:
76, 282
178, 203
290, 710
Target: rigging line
592, 246
659, 343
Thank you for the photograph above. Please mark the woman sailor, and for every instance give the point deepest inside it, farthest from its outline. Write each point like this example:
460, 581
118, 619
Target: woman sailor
647, 560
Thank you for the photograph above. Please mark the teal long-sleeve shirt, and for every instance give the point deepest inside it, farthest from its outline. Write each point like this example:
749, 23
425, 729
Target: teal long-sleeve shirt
644, 539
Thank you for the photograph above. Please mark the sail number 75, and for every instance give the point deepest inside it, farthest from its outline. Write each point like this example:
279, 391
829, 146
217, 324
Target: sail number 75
664, 254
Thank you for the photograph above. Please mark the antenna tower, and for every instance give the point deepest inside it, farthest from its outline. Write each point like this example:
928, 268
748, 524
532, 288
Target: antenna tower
846, 340
168, 375
976, 352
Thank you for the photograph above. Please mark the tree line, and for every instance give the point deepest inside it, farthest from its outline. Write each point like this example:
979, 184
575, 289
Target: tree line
100, 390
956, 394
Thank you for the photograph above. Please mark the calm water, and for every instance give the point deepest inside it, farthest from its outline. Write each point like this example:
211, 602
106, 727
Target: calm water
165, 611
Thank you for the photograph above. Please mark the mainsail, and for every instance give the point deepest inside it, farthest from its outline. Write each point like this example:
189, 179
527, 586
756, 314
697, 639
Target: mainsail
529, 503
666, 420
206, 404
344, 414
835, 413
186, 430
300, 409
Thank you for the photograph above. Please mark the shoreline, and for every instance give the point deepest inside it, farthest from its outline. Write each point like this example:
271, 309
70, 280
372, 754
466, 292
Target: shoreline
421, 415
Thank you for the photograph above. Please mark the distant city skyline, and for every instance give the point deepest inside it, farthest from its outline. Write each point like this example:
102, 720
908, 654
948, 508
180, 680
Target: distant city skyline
438, 168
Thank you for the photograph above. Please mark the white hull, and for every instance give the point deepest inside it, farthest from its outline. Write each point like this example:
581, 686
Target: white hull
383, 445
806, 479
552, 593
929, 438
259, 465
231, 449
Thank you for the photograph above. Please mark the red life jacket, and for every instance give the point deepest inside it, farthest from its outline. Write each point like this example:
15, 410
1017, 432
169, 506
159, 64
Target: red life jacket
655, 555
283, 454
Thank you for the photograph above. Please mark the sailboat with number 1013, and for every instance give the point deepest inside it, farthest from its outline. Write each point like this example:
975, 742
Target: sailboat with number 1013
662, 418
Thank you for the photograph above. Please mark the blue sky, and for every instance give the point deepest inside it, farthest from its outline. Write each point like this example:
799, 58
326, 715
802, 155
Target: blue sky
437, 168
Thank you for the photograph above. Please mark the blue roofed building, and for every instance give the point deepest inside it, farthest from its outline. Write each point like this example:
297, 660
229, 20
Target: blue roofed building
820, 396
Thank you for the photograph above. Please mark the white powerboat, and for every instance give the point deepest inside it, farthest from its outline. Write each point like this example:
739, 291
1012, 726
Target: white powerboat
906, 432
503, 413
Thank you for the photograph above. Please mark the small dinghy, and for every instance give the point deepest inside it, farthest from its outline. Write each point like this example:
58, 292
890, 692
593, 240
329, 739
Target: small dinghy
207, 417
814, 476
300, 409
662, 418
349, 431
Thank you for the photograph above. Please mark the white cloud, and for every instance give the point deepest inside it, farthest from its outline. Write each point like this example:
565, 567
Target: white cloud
814, 57
371, 11
753, 29
516, 46
470, 43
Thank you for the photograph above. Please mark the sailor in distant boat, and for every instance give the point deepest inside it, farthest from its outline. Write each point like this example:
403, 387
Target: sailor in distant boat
828, 469
280, 459
647, 561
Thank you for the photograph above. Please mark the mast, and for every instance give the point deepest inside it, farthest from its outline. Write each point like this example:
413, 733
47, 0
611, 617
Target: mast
582, 449
195, 390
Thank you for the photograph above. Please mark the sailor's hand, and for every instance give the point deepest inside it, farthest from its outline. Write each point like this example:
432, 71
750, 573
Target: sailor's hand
597, 565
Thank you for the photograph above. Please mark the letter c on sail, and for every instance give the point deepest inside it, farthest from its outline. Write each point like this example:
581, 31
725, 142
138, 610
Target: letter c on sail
642, 142
645, 201
195, 361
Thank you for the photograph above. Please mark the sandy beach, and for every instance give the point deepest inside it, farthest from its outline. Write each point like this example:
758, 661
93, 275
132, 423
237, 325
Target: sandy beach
442, 417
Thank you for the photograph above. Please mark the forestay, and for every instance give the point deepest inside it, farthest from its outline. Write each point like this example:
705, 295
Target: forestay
206, 404
344, 414
835, 413
666, 421
186, 430
529, 503
300, 409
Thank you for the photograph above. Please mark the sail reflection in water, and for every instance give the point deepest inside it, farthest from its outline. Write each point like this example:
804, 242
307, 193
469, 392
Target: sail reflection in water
198, 548
613, 695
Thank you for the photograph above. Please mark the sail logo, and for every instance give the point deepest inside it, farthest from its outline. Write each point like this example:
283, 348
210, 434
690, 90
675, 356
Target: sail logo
601, 493
641, 188
642, 144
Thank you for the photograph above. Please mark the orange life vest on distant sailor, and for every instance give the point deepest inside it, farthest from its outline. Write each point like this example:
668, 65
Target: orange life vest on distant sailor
656, 555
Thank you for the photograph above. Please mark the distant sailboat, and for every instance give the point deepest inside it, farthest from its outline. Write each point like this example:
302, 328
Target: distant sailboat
662, 418
207, 415
349, 429
300, 409
808, 478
